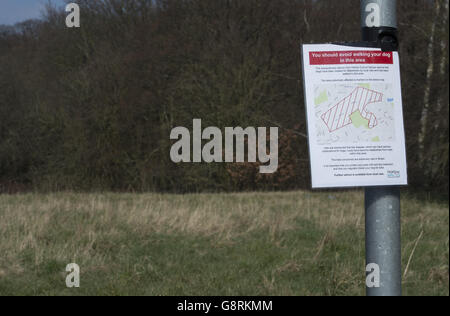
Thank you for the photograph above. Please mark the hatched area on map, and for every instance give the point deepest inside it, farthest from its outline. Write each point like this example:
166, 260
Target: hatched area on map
354, 113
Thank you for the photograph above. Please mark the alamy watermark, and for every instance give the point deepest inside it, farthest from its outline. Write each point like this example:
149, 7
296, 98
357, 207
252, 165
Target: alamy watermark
73, 278
235, 149
73, 19
373, 275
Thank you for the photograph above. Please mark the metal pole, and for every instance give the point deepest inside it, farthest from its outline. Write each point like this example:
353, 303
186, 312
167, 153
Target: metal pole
383, 246
382, 204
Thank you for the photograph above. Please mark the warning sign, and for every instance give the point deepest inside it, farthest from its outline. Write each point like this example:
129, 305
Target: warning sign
355, 117
351, 57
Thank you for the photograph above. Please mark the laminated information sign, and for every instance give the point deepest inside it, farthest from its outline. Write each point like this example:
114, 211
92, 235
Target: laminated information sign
355, 116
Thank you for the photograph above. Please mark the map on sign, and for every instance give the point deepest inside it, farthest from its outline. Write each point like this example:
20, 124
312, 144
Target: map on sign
354, 113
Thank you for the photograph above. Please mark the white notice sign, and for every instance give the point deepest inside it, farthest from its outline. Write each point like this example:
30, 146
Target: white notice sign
355, 116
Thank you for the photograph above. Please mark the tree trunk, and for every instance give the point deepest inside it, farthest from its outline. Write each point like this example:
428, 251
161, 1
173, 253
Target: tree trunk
428, 85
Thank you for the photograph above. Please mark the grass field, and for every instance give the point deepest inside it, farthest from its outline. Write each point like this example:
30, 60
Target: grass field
296, 243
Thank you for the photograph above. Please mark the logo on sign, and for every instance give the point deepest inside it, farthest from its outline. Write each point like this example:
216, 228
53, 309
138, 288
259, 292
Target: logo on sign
393, 174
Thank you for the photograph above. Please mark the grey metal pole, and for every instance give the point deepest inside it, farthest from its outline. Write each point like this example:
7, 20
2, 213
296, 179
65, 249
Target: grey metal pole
382, 204
383, 246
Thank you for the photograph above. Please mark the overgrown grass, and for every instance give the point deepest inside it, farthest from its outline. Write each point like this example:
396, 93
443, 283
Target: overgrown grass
296, 243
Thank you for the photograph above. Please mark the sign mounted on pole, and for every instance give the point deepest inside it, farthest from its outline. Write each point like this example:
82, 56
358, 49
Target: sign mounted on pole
355, 116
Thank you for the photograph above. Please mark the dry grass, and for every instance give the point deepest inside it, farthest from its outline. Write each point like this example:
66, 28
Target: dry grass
89, 229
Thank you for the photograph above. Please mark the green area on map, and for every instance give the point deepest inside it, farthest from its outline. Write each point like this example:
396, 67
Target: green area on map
365, 85
359, 121
323, 97
376, 139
